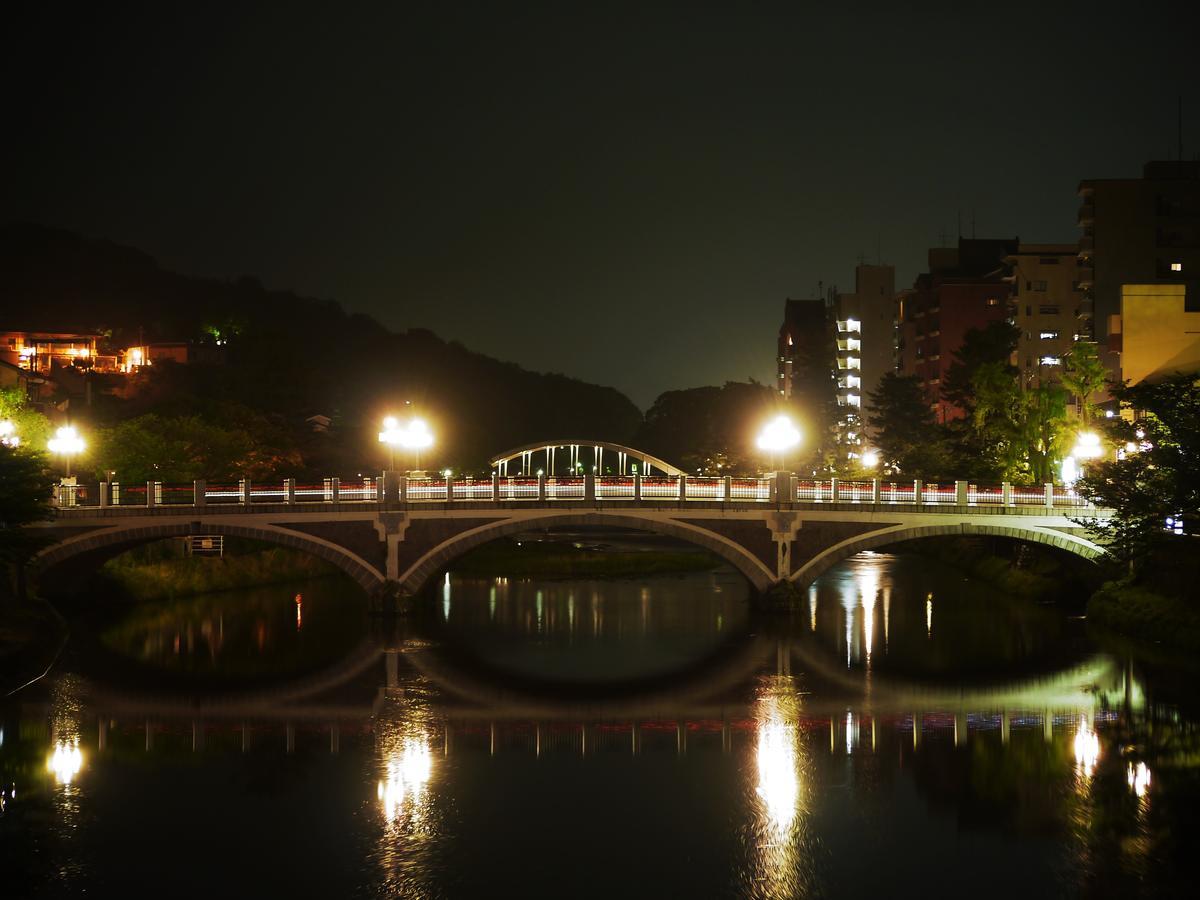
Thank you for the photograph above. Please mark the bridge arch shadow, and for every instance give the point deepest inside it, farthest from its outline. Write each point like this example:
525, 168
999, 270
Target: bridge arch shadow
1048, 537
442, 555
62, 566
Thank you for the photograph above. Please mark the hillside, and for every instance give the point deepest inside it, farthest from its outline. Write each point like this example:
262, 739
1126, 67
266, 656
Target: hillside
289, 357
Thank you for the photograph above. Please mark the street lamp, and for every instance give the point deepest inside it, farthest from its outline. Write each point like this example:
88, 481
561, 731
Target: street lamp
413, 435
8, 434
67, 442
1087, 446
870, 459
778, 436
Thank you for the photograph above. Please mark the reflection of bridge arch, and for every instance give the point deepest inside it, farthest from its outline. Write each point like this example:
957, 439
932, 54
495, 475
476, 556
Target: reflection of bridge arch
577, 453
99, 545
438, 557
1050, 537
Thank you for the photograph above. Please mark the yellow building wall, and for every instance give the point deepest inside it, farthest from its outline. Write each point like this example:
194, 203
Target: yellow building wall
1158, 338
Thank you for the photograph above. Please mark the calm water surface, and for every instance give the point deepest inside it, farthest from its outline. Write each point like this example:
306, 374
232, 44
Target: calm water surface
906, 733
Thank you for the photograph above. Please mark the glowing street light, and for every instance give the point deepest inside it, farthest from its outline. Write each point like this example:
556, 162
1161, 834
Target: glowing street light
8, 434
778, 436
1087, 446
413, 435
67, 442
870, 459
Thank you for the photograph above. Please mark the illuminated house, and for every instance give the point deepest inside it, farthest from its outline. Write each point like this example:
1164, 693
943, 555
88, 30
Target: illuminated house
43, 351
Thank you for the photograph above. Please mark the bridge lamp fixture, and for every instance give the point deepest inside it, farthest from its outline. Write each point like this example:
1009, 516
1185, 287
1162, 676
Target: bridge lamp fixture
67, 442
778, 436
412, 435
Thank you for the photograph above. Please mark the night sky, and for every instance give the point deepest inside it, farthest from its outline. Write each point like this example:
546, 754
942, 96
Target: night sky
623, 197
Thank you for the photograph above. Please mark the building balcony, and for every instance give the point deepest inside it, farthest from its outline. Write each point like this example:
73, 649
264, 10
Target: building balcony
1087, 214
1087, 244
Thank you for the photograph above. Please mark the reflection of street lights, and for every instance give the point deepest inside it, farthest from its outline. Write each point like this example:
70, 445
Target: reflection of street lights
778, 436
8, 434
413, 435
67, 442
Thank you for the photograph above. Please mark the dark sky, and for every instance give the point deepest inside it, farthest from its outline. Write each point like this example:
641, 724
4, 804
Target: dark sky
623, 197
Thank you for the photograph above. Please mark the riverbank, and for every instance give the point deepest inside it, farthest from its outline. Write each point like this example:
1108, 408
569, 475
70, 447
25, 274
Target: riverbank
514, 558
1145, 614
1023, 570
164, 573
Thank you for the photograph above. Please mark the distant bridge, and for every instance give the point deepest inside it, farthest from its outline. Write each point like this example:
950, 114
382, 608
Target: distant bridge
400, 530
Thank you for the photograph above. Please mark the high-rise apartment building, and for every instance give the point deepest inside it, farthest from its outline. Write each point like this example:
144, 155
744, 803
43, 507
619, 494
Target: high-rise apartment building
865, 322
965, 288
1045, 303
804, 349
1138, 231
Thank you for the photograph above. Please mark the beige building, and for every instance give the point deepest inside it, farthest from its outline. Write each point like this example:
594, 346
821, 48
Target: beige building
1045, 303
1159, 332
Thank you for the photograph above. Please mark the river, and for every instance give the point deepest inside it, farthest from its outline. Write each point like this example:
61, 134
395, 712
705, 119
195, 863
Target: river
907, 732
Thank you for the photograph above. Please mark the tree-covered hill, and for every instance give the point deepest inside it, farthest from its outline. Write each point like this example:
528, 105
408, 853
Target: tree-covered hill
288, 357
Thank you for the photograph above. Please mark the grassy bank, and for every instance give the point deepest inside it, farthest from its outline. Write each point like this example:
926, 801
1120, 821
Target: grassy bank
143, 577
1140, 612
554, 559
1019, 569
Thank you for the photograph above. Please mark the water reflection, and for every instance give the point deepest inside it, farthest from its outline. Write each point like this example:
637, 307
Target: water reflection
1087, 749
781, 863
1138, 777
408, 770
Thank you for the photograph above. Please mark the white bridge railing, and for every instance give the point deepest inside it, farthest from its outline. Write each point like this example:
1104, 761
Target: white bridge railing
392, 488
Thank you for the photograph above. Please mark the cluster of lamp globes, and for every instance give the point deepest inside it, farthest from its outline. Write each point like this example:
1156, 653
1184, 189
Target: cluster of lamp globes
66, 441
412, 435
780, 435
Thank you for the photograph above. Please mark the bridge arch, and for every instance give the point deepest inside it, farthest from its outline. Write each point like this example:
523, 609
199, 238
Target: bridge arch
102, 544
895, 534
436, 558
576, 448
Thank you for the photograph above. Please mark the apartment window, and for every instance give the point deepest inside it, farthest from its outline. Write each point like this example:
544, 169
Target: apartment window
1029, 310
1048, 310
1048, 335
1037, 286
1176, 267
993, 301
1050, 361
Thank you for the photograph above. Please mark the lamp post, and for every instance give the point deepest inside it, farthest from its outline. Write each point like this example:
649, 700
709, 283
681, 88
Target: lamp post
412, 435
870, 459
777, 437
1087, 446
67, 442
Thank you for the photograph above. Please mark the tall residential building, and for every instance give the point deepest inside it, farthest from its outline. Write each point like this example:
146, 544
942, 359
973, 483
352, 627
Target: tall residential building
1138, 231
1158, 333
965, 288
1046, 302
804, 351
865, 334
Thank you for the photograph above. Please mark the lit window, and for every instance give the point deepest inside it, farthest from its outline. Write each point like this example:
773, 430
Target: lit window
853, 363
853, 325
1050, 361
1176, 267
1048, 335
993, 301
853, 400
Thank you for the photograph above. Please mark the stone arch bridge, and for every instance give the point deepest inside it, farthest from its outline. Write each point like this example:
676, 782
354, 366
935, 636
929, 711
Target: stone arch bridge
394, 533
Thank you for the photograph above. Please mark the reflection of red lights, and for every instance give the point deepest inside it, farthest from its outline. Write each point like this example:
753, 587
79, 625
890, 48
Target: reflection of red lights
299, 610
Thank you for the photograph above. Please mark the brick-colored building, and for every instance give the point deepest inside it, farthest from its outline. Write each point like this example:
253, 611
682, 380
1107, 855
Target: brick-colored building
965, 288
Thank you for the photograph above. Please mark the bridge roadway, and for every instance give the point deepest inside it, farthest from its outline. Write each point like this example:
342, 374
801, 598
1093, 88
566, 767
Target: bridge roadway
392, 533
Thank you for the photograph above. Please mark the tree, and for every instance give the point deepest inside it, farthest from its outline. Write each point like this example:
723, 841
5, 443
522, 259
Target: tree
904, 428
1083, 374
709, 429
25, 488
1023, 431
991, 345
1158, 475
30, 426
